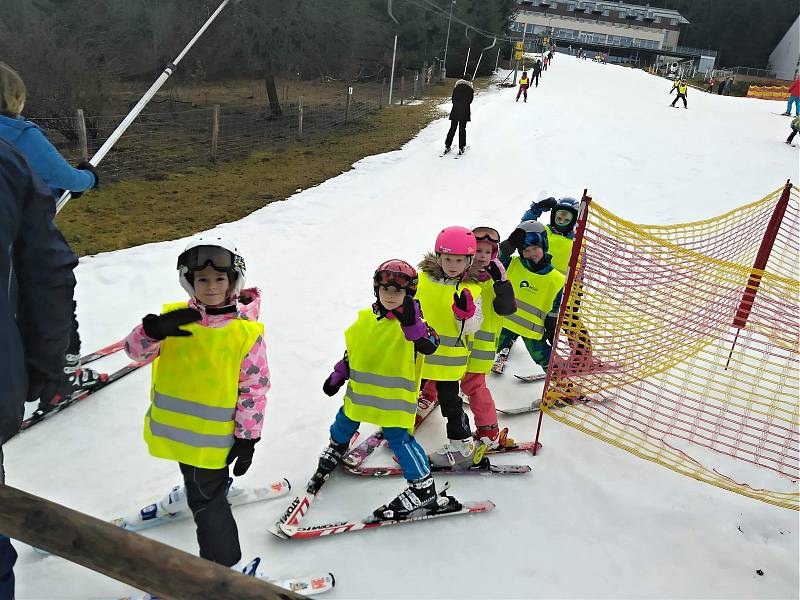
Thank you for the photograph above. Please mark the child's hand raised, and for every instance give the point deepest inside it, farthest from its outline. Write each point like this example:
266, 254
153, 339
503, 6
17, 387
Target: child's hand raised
463, 305
158, 327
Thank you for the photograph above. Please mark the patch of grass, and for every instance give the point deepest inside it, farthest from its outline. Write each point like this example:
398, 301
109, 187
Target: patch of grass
151, 209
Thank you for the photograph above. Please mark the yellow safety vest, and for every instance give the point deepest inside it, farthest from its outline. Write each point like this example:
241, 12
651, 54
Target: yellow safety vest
194, 392
560, 250
483, 343
449, 362
384, 373
523, 81
534, 295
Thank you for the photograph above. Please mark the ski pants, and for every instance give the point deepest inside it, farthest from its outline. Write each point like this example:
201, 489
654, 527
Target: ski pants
481, 401
791, 135
796, 101
406, 448
679, 97
8, 555
536, 79
206, 494
538, 349
523, 89
462, 133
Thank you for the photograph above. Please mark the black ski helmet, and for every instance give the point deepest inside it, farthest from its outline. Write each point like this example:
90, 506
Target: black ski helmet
568, 204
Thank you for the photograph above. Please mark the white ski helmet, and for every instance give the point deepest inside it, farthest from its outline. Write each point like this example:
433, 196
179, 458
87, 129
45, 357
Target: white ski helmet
215, 251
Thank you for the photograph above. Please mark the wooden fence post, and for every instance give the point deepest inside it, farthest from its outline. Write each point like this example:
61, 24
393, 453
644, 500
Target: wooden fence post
214, 132
82, 139
146, 564
300, 118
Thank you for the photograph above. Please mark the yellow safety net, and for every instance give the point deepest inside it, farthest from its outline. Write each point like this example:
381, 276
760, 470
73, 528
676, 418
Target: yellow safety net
676, 349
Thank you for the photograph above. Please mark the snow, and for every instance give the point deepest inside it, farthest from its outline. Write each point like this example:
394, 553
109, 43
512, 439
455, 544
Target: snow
590, 520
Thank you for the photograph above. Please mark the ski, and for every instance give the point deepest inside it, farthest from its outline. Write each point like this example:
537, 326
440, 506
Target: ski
483, 467
461, 152
309, 585
531, 378
156, 514
103, 352
446, 151
298, 507
41, 415
452, 509
500, 361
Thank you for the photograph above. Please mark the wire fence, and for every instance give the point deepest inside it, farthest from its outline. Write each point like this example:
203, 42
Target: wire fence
167, 135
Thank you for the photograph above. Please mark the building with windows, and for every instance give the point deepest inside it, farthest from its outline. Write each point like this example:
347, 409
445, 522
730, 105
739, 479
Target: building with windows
627, 32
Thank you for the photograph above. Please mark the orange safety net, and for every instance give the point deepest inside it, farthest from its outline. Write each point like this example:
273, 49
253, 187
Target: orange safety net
675, 348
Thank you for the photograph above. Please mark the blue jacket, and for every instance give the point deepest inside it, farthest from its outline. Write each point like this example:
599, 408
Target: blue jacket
37, 287
46, 161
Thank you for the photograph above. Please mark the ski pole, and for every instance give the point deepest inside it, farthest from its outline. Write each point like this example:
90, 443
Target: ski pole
131, 116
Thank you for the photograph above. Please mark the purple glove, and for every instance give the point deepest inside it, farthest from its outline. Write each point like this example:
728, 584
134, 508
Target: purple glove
340, 374
410, 321
496, 270
463, 305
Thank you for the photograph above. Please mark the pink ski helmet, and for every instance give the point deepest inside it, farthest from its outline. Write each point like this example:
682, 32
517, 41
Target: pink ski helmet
397, 273
456, 240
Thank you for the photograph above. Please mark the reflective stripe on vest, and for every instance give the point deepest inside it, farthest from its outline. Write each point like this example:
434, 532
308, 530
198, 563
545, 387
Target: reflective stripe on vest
195, 390
449, 362
484, 341
560, 250
384, 373
535, 295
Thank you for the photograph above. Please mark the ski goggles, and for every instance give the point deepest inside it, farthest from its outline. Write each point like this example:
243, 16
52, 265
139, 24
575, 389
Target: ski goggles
486, 234
200, 257
563, 216
392, 278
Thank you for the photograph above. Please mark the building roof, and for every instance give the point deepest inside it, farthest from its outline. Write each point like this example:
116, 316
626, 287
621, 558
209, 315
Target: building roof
636, 9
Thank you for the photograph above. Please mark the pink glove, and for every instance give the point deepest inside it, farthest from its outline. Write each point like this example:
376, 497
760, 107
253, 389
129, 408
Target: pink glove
463, 305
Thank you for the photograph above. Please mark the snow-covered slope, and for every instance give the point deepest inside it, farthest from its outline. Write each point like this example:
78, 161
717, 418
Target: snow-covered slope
591, 520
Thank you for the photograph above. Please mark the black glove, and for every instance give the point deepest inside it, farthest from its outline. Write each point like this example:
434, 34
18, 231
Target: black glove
407, 314
494, 271
242, 452
85, 165
550, 323
513, 242
159, 327
547, 203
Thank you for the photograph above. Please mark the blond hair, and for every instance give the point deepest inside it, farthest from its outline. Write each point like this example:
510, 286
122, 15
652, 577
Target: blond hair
12, 90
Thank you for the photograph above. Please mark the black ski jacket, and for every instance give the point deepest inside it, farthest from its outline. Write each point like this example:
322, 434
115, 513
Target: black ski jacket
463, 93
36, 288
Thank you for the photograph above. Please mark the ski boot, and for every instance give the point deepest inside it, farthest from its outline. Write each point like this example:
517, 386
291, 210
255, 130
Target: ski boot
419, 496
446, 150
329, 459
76, 379
460, 151
493, 437
458, 454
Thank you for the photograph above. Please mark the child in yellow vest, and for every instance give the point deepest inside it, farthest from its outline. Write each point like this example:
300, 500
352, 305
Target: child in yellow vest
497, 299
450, 295
382, 363
538, 288
210, 379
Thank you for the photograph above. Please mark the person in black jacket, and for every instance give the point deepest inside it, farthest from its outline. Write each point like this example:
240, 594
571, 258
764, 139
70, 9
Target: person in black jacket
35, 306
537, 71
463, 93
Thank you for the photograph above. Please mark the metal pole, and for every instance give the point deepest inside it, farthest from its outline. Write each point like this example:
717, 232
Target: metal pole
489, 47
466, 63
391, 80
447, 42
126, 122
497, 62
